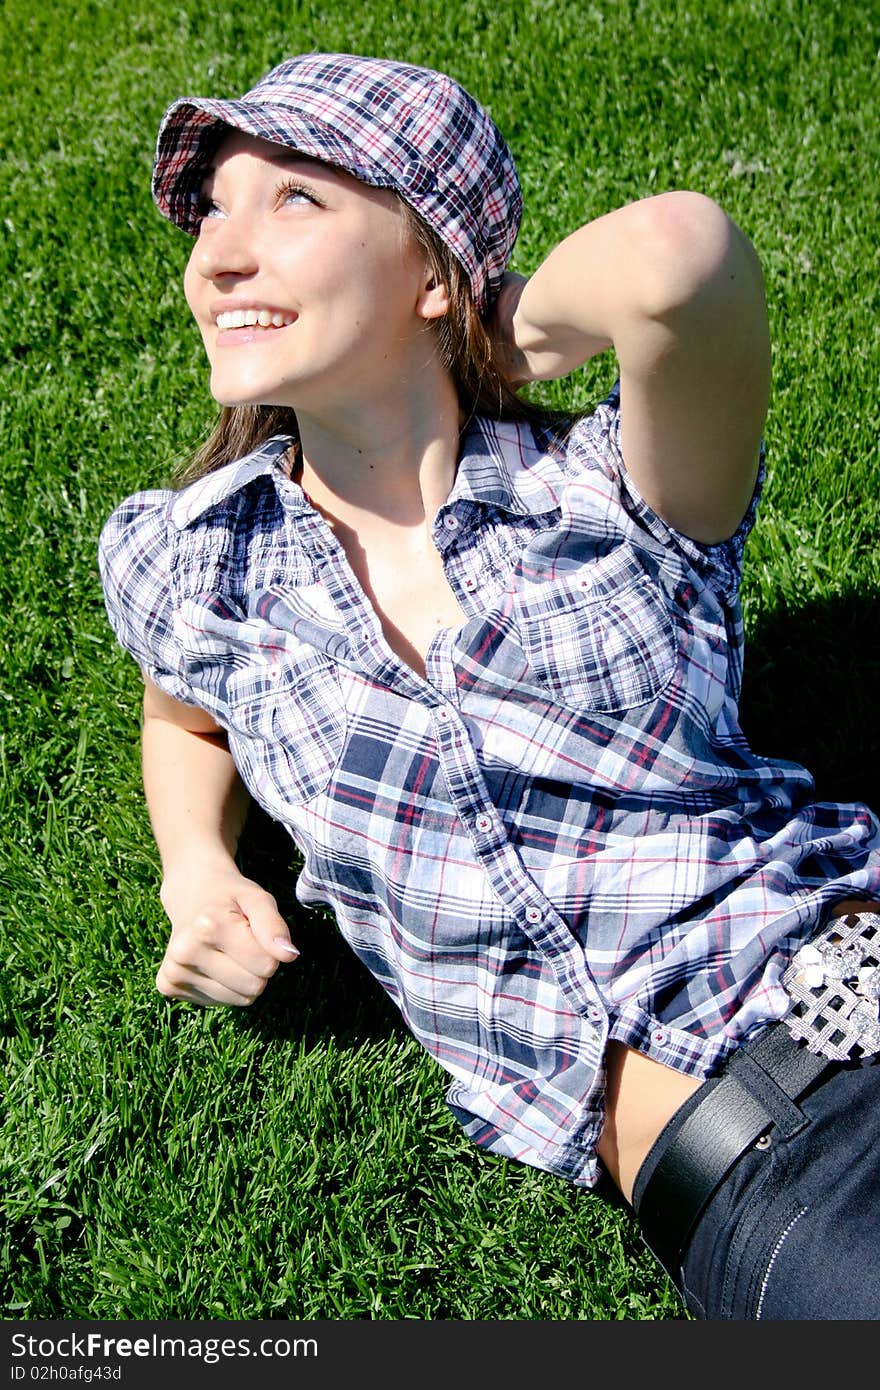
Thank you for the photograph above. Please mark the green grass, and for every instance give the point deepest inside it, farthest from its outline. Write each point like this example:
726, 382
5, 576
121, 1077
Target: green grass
297, 1159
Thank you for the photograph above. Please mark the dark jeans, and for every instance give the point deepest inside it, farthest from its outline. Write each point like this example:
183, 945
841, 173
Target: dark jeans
794, 1229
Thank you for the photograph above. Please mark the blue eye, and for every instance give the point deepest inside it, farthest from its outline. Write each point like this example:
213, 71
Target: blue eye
291, 190
206, 208
288, 191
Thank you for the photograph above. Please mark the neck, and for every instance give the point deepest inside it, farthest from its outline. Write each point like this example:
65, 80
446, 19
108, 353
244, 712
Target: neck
390, 458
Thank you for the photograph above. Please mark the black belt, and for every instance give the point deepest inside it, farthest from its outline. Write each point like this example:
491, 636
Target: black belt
756, 1090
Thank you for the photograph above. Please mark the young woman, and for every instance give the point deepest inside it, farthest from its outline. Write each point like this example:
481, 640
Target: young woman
483, 663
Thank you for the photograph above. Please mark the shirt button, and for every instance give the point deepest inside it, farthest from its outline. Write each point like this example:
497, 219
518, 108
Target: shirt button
483, 822
442, 714
450, 522
469, 583
365, 634
659, 1036
586, 584
594, 1013
533, 915
273, 670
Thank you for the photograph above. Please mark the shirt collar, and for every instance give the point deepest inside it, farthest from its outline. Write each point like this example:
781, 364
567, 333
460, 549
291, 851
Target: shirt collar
267, 461
502, 464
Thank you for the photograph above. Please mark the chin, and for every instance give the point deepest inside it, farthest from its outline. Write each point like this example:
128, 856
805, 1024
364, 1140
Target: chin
238, 395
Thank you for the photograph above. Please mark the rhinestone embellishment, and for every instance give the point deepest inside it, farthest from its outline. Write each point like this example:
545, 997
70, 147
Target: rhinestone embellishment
834, 986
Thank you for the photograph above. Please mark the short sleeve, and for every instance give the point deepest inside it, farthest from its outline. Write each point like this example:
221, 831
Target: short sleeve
719, 565
134, 563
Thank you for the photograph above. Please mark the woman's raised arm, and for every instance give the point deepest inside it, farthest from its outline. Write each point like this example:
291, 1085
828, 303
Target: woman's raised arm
674, 286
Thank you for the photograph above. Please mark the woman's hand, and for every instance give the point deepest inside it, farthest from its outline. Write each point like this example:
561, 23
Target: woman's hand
526, 351
227, 936
511, 359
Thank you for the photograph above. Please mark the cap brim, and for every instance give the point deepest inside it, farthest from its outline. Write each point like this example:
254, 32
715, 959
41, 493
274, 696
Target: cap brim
192, 128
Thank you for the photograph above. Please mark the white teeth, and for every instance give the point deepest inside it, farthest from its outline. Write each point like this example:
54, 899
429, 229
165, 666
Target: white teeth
251, 318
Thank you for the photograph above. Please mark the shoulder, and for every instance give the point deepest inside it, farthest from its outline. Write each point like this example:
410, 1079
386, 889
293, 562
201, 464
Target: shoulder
156, 545
598, 482
135, 531
529, 466
228, 488
583, 448
133, 560
145, 526
588, 440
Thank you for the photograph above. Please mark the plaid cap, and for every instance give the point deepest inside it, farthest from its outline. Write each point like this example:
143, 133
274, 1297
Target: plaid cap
389, 124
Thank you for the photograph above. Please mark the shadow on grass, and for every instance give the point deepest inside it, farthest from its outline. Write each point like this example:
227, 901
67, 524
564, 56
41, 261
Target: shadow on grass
810, 693
327, 992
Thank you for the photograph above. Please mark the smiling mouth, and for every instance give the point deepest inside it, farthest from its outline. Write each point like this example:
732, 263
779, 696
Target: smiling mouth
253, 318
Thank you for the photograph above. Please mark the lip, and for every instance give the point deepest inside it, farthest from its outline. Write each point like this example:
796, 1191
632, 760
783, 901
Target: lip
241, 337
232, 302
250, 333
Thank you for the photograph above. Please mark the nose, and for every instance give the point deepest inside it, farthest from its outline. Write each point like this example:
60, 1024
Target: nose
225, 246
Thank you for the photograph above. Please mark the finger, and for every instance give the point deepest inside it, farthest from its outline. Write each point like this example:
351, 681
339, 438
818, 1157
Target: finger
193, 988
228, 954
227, 931
221, 969
266, 923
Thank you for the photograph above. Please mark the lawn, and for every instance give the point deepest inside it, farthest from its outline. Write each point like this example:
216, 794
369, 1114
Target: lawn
163, 1162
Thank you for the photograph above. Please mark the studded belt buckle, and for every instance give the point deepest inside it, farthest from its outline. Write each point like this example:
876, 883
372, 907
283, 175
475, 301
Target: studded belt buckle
834, 985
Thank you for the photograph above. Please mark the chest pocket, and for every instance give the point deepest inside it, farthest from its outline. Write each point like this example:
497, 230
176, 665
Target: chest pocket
601, 636
279, 697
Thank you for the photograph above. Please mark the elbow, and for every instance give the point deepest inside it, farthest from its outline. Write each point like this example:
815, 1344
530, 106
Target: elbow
691, 253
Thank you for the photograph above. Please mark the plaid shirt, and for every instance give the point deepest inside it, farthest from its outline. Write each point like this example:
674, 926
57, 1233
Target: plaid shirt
561, 835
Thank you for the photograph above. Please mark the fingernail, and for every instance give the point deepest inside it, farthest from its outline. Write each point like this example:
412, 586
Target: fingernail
285, 945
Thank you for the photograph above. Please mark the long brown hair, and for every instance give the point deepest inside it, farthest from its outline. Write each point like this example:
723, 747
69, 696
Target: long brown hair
464, 348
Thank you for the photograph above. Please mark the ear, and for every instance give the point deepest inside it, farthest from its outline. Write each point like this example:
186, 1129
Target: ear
433, 300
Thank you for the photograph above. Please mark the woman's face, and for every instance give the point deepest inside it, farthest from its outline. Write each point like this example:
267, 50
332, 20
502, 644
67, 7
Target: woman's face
325, 265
